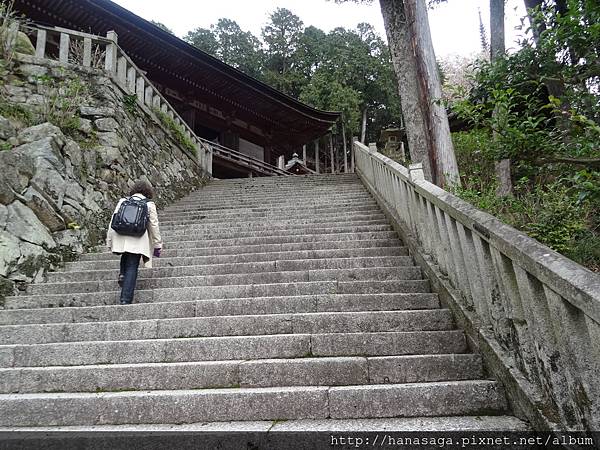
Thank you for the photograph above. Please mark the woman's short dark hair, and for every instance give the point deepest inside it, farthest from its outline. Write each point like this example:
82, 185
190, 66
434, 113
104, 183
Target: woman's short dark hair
142, 187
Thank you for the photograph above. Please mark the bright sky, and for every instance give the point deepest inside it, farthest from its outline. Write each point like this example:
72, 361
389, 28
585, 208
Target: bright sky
454, 26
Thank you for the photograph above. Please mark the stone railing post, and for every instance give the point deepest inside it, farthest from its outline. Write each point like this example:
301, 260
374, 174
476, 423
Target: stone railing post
353, 151
40, 44
110, 63
416, 172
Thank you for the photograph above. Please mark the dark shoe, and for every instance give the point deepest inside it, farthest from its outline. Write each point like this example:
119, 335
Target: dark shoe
123, 302
120, 280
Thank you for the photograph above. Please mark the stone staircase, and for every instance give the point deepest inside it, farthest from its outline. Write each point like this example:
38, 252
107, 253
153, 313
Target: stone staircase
276, 299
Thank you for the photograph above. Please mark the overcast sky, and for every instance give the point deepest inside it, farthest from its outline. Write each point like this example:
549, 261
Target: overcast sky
454, 26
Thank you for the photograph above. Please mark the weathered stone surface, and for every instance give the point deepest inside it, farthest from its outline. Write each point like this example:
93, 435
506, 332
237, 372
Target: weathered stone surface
6, 129
59, 179
110, 139
10, 252
43, 210
24, 224
106, 124
108, 155
73, 152
3, 216
100, 111
38, 132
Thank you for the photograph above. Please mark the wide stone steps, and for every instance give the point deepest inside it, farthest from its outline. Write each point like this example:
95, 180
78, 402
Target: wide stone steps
189, 259
222, 307
220, 291
328, 371
295, 345
246, 325
261, 211
279, 299
399, 262
470, 397
264, 245
276, 428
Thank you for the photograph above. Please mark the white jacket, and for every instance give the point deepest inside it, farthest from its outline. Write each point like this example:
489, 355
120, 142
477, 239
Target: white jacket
144, 244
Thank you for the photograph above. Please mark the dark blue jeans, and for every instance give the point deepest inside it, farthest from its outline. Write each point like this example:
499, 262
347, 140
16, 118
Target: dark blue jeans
129, 271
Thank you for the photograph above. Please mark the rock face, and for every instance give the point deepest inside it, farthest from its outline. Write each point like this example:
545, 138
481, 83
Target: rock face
58, 186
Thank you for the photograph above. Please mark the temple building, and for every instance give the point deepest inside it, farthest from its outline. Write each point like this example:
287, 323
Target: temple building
219, 102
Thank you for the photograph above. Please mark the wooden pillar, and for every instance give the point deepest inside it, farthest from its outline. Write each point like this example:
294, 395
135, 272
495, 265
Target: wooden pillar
317, 156
304, 153
331, 153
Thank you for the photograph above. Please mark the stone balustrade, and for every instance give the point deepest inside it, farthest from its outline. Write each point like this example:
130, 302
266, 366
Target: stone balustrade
533, 313
90, 50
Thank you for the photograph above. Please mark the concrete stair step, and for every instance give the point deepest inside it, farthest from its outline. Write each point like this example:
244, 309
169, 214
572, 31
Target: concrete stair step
278, 430
332, 371
266, 240
276, 198
249, 257
471, 397
220, 291
241, 220
268, 226
216, 326
299, 231
257, 248
399, 262
221, 307
292, 276
233, 348
261, 211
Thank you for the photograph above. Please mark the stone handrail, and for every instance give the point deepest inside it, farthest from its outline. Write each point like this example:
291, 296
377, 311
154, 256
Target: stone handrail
533, 313
133, 80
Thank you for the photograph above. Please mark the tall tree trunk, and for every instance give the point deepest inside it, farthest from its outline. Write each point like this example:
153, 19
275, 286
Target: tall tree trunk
363, 128
497, 49
427, 129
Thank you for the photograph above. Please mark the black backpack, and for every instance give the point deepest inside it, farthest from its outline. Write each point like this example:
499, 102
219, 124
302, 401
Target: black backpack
132, 217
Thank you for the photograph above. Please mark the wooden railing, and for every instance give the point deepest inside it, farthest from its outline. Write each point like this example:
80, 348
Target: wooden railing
538, 310
89, 50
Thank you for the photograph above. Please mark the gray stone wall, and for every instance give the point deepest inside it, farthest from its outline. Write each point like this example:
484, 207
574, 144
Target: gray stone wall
71, 144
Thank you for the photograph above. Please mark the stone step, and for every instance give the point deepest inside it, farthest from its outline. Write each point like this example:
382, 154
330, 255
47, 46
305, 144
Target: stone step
241, 219
216, 326
277, 197
278, 276
249, 205
292, 205
346, 208
222, 307
330, 371
308, 225
328, 254
233, 348
215, 292
278, 431
400, 262
266, 240
299, 231
169, 252
471, 397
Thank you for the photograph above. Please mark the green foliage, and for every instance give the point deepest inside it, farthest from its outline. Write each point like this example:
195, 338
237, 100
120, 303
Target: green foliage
130, 103
344, 70
62, 99
177, 131
17, 112
540, 108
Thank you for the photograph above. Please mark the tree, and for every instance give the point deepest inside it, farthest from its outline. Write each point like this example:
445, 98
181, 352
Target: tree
426, 121
282, 35
228, 42
204, 39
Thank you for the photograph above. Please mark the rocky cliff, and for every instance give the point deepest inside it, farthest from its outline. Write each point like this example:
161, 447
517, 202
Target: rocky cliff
71, 143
